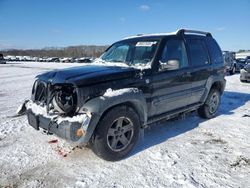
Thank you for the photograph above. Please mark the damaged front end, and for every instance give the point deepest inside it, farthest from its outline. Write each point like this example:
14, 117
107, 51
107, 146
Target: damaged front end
54, 109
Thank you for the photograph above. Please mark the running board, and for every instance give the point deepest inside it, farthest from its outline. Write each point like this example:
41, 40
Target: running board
174, 113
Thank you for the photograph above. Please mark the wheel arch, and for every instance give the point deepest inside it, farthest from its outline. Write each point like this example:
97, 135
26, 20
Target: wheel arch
217, 82
99, 106
135, 105
218, 85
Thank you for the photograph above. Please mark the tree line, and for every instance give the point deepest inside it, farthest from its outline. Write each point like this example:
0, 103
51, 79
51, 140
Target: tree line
71, 51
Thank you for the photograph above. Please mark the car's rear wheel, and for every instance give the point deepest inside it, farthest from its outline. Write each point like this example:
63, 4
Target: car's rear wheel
210, 107
116, 133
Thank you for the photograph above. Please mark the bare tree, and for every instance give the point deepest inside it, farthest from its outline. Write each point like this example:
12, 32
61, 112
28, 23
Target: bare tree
71, 51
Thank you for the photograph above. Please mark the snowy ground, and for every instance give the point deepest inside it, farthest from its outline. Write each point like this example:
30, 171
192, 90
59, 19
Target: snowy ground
180, 153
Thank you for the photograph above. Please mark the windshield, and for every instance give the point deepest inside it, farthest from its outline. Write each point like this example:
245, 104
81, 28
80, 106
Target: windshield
135, 53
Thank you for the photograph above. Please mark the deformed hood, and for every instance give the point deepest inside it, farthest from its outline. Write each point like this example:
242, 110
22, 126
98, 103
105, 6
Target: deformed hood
86, 75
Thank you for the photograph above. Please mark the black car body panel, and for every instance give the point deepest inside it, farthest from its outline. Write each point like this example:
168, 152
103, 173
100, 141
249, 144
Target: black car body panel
86, 75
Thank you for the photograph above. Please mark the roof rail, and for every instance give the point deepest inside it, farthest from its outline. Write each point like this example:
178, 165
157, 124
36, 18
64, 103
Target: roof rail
183, 31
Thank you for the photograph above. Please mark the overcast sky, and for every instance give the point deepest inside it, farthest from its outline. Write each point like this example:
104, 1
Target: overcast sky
29, 24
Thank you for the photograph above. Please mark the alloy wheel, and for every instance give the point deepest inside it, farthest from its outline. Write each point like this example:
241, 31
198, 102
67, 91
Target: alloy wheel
120, 134
213, 103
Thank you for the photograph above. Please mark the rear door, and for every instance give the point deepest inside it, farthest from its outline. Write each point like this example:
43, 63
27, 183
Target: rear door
201, 67
171, 87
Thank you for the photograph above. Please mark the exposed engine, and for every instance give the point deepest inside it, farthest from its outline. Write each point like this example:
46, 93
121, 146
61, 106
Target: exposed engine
64, 100
58, 99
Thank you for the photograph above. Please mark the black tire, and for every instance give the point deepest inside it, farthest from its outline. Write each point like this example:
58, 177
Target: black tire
108, 139
209, 108
244, 81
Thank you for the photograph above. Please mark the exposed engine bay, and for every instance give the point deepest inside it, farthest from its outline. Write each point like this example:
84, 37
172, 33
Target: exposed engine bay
59, 99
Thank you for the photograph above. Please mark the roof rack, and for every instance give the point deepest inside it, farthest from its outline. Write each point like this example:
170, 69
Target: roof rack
183, 31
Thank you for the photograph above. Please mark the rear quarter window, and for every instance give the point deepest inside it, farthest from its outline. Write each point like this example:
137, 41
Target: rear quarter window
214, 51
197, 52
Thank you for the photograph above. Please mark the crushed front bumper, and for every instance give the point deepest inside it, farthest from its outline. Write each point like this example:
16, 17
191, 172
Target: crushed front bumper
73, 129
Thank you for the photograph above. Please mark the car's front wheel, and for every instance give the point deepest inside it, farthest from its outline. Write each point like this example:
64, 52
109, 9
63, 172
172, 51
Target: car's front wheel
210, 107
116, 133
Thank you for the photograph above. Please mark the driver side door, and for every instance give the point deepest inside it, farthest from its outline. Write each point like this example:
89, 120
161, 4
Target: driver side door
171, 84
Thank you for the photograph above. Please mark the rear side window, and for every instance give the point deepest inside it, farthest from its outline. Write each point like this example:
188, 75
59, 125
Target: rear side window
214, 51
198, 53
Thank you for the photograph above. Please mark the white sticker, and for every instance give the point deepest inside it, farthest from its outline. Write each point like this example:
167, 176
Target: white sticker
145, 43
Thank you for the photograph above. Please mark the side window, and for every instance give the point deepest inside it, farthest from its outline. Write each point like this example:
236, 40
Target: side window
143, 54
198, 53
173, 51
214, 51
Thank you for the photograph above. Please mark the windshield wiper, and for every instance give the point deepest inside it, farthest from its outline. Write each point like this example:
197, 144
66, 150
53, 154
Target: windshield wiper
114, 60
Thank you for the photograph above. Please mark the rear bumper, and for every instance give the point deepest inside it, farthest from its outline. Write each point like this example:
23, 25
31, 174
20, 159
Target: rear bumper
72, 129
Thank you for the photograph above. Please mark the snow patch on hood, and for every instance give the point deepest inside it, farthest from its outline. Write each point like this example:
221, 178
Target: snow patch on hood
100, 62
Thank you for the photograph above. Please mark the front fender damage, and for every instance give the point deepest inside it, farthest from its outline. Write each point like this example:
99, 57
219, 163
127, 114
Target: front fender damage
78, 129
99, 105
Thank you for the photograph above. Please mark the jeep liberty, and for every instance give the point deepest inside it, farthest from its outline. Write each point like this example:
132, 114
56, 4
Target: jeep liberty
138, 81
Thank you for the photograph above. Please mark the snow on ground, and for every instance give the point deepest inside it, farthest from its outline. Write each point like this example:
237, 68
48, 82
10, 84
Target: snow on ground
189, 152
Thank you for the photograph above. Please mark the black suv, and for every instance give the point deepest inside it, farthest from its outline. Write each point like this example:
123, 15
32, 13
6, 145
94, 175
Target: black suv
136, 82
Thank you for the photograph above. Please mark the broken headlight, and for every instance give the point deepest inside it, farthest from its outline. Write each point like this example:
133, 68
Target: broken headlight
65, 100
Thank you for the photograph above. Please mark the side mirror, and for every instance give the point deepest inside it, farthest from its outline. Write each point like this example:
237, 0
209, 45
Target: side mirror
172, 64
